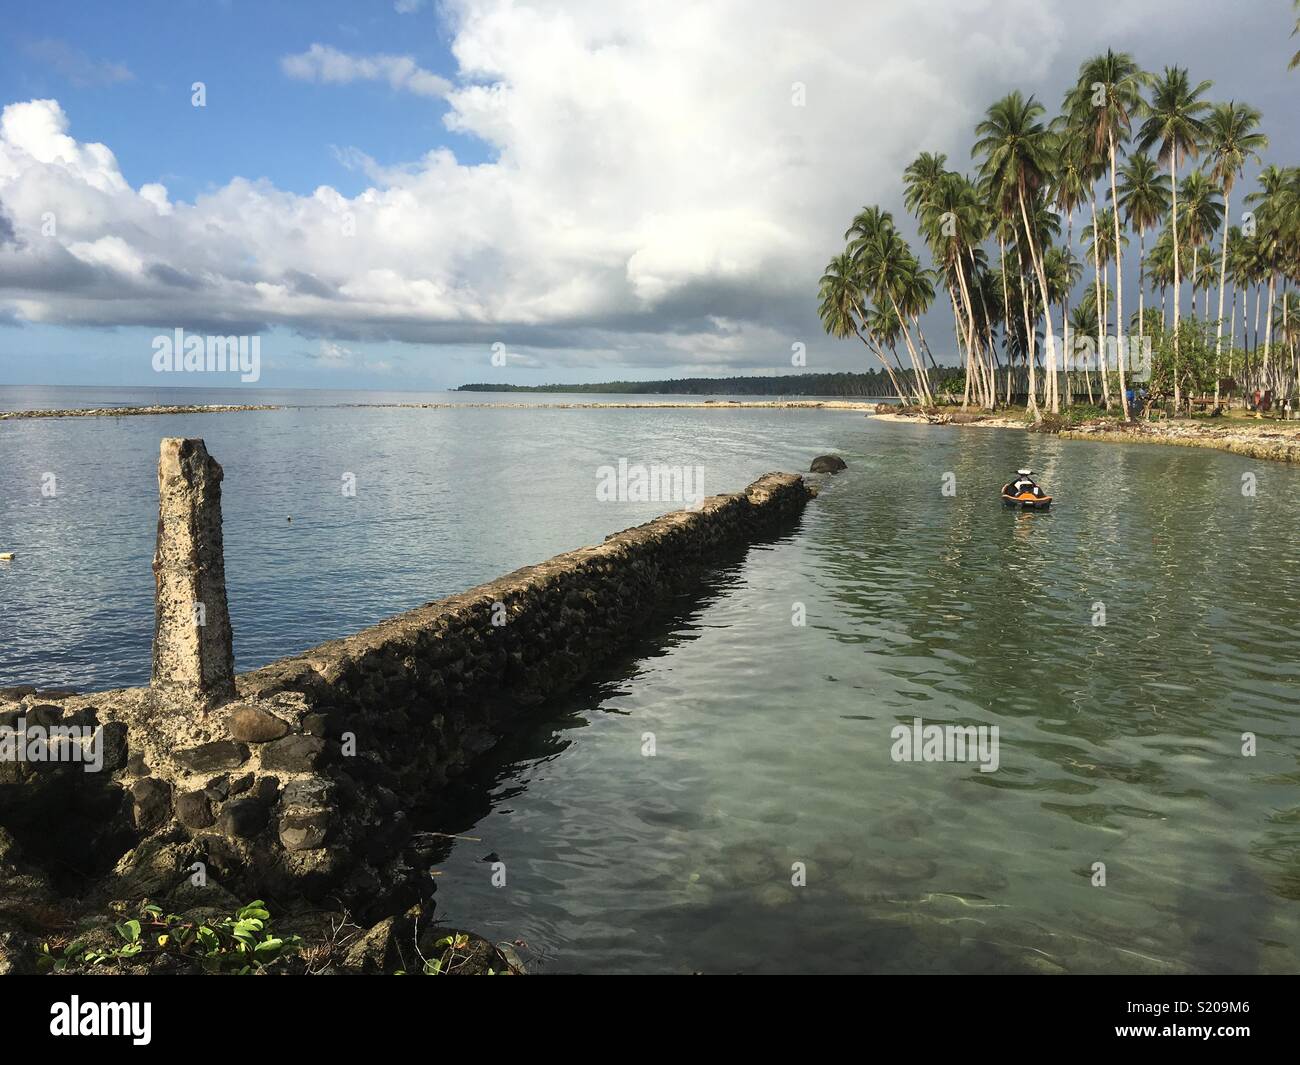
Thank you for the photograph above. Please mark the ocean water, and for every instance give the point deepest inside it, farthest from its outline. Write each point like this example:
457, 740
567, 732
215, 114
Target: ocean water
1122, 643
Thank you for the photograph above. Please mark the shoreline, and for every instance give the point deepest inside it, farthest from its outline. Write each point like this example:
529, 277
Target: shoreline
707, 404
1274, 441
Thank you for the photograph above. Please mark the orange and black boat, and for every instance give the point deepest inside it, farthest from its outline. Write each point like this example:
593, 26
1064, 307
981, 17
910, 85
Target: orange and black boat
1023, 493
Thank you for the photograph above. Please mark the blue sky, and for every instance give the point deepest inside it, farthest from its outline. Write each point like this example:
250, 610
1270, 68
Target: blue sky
286, 132
386, 192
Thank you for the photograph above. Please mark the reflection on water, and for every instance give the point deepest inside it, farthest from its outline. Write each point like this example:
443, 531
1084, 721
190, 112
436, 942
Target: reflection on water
1120, 743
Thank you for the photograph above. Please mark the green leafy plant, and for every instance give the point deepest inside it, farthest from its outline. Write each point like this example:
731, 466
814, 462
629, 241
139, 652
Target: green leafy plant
240, 944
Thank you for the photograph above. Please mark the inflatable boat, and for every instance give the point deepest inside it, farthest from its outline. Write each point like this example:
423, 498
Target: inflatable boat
1024, 500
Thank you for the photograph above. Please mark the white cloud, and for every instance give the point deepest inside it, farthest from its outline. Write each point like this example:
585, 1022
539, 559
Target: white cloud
322, 63
654, 197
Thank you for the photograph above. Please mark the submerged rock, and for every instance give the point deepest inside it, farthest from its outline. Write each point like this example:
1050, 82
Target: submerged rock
827, 464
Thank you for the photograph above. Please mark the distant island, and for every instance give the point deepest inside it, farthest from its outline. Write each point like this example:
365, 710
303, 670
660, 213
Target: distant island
872, 383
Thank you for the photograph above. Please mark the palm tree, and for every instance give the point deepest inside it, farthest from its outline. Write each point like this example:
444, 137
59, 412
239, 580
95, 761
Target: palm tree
1232, 139
889, 272
1173, 118
1102, 104
1144, 201
1017, 149
1271, 228
842, 307
1202, 214
1295, 59
1070, 187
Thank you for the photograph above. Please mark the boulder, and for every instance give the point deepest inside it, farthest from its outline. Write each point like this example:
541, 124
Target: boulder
827, 464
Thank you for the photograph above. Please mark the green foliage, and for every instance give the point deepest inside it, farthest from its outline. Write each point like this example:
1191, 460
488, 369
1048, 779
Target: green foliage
1190, 363
240, 944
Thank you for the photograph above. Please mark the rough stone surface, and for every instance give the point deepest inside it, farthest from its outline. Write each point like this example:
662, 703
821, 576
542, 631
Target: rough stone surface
209, 757
293, 754
303, 830
192, 662
252, 724
152, 798
194, 809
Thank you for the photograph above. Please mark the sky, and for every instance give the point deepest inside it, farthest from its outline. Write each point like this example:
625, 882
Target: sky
411, 195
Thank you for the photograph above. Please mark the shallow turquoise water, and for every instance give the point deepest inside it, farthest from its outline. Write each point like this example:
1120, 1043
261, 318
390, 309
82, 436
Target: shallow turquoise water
1119, 744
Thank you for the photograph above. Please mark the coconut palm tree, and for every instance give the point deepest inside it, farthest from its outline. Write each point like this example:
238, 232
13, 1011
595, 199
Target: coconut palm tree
1017, 150
889, 272
1232, 138
1271, 202
1144, 200
1295, 59
1102, 105
1202, 212
843, 308
1174, 119
1070, 187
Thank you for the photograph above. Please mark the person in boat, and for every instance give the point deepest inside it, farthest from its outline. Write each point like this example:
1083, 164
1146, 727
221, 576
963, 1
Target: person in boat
1022, 482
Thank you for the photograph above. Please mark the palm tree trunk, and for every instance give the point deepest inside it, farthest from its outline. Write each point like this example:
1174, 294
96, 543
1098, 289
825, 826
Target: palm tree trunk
1268, 328
1142, 287
1101, 304
1119, 284
1173, 186
1047, 306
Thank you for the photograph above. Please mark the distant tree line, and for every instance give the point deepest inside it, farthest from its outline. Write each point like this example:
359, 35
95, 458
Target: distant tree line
872, 383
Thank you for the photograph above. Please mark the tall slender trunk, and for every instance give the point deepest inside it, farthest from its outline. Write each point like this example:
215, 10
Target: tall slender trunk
1178, 291
1268, 329
1232, 330
1006, 311
1142, 288
1119, 285
1047, 306
898, 390
1100, 303
1065, 313
918, 366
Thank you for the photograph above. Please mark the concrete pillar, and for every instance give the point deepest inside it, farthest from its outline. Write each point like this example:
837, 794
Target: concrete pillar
192, 654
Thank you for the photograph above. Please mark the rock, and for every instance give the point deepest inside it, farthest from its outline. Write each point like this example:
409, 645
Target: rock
376, 952
252, 724
17, 954
241, 784
243, 818
152, 802
293, 754
194, 809
304, 830
44, 715
218, 788
309, 791
827, 464
266, 790
112, 742
209, 757
136, 765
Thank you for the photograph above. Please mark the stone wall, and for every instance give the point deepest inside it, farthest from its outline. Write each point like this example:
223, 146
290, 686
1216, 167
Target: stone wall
301, 783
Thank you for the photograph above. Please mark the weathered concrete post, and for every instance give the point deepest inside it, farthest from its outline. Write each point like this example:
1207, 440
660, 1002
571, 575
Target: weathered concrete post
192, 653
